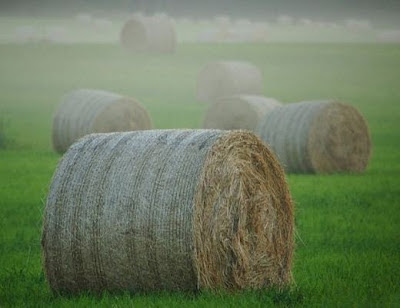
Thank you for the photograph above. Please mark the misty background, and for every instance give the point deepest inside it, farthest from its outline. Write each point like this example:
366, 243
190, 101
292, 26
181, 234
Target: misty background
380, 12
90, 21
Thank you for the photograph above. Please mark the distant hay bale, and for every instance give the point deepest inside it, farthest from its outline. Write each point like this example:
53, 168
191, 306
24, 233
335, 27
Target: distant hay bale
318, 137
241, 35
243, 23
27, 34
305, 22
260, 32
358, 24
226, 78
138, 14
285, 20
56, 34
83, 18
85, 111
332, 25
223, 21
102, 24
186, 20
205, 22
154, 34
238, 112
215, 36
162, 15
168, 210
389, 36
208, 36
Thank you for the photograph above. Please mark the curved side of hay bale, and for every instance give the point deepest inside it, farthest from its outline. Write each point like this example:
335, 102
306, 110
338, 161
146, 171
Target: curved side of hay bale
168, 210
238, 112
85, 111
227, 78
154, 34
318, 137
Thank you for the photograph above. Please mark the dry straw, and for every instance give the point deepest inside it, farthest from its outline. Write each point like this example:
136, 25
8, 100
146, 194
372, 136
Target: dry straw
318, 137
149, 34
238, 112
227, 78
168, 210
84, 111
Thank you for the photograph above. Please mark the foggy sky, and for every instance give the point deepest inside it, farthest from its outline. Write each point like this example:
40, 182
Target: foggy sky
203, 8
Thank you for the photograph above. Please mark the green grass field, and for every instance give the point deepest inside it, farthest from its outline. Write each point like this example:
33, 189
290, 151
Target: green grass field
348, 244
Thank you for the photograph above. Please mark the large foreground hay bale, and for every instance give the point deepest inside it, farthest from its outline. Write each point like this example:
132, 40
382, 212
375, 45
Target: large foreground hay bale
168, 210
149, 34
318, 137
238, 112
226, 78
85, 111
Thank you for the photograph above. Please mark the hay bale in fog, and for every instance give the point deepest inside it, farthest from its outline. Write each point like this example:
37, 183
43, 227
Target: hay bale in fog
238, 112
102, 24
226, 78
56, 34
83, 18
285, 20
243, 23
389, 36
153, 34
27, 34
260, 32
138, 14
168, 210
305, 22
86, 111
318, 137
208, 36
358, 24
223, 21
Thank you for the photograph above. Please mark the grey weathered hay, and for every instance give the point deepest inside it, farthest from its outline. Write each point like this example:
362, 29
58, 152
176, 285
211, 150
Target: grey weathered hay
149, 34
318, 137
226, 78
85, 111
168, 210
238, 112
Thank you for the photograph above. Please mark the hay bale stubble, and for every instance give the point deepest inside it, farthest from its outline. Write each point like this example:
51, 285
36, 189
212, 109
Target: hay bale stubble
168, 210
85, 111
227, 78
238, 112
318, 137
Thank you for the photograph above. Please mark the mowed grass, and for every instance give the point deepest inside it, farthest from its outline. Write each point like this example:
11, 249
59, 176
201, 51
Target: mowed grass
348, 244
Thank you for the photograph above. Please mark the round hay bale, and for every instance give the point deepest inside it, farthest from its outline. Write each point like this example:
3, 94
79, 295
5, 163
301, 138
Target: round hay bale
318, 137
168, 210
149, 34
238, 112
227, 78
85, 111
